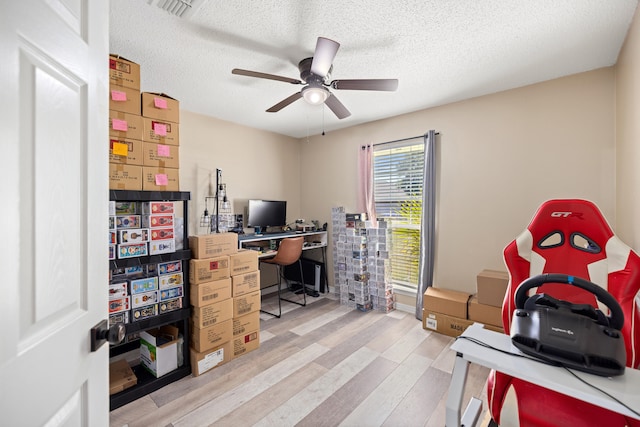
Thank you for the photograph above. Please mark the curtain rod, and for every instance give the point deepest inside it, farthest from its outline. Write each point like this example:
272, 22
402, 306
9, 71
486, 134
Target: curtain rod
397, 140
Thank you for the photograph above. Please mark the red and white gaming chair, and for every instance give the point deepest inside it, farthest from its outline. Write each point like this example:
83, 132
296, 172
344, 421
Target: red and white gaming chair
567, 237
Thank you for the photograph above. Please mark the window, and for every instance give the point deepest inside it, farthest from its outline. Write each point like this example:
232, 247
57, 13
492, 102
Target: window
398, 170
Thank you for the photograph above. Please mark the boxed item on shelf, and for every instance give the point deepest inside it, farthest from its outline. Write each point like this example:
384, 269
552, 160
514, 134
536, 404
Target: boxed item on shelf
246, 304
171, 293
160, 179
160, 106
118, 290
145, 312
492, 286
149, 208
160, 132
127, 221
165, 233
125, 177
160, 155
246, 323
130, 250
170, 305
169, 267
121, 377
112, 222
113, 238
112, 251
208, 269
209, 292
166, 246
144, 298
202, 362
112, 208
125, 208
125, 125
144, 284
203, 339
120, 317
158, 350
119, 304
170, 280
242, 284
124, 99
212, 245
243, 261
245, 343
126, 151
210, 314
158, 220
123, 72
133, 235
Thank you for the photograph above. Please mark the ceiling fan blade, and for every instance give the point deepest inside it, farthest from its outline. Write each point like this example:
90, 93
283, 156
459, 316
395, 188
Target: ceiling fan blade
249, 73
326, 50
366, 84
280, 105
336, 106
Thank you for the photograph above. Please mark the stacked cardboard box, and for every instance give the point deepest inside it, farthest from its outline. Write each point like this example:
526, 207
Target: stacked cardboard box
451, 312
125, 125
361, 258
143, 133
225, 324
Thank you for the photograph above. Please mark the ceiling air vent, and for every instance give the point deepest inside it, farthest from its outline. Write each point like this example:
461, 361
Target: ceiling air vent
179, 8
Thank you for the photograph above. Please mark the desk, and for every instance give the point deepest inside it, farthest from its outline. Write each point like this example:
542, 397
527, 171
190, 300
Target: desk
625, 387
312, 240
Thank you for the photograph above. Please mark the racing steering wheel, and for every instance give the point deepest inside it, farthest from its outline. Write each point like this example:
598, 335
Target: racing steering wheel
522, 300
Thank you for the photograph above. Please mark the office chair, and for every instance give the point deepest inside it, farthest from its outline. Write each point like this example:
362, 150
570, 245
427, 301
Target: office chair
568, 237
289, 252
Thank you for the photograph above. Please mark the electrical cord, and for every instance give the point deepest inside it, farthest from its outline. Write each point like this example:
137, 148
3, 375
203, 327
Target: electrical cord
550, 363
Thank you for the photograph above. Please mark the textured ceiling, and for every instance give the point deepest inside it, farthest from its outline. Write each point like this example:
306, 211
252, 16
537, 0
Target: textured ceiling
440, 50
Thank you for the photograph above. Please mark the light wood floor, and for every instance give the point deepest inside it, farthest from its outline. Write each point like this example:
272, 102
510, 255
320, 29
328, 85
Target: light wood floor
320, 365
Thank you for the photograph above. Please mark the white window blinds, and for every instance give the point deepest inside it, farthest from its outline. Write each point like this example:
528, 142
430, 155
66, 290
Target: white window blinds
398, 170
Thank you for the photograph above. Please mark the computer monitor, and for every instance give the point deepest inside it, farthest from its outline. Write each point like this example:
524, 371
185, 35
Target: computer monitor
266, 213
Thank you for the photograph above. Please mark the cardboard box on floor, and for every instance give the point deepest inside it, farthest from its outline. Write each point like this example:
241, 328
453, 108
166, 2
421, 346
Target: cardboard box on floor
449, 325
209, 315
205, 361
208, 269
213, 245
246, 323
159, 350
202, 294
246, 304
203, 339
492, 286
243, 344
247, 283
244, 261
483, 313
446, 301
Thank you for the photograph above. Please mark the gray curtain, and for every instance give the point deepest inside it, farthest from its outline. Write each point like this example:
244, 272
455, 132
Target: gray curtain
428, 226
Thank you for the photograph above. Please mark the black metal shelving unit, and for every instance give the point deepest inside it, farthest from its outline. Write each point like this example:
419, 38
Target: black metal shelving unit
147, 383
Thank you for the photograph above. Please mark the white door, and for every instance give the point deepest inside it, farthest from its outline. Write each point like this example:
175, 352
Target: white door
54, 207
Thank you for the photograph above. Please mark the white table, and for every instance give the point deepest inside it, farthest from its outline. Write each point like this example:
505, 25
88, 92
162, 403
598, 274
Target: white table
625, 387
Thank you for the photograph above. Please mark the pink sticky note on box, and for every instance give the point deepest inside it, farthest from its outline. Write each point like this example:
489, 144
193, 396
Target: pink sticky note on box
160, 129
161, 179
118, 95
118, 124
163, 150
160, 103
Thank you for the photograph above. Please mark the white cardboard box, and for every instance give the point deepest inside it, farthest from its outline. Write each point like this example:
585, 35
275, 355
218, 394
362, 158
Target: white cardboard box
163, 358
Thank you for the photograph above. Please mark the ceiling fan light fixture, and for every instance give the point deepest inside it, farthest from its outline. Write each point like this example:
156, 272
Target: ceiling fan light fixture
315, 95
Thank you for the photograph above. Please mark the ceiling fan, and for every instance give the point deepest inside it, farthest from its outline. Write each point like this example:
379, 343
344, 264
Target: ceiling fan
315, 74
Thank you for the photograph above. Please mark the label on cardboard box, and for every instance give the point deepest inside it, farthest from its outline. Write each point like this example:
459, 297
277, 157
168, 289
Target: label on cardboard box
160, 106
245, 283
243, 261
211, 314
125, 177
124, 99
125, 125
160, 155
444, 324
245, 304
208, 269
209, 292
160, 179
203, 339
207, 360
212, 245
123, 72
248, 322
245, 343
125, 151
160, 131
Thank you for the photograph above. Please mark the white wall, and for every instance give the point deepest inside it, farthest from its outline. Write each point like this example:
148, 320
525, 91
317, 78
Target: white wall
498, 157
